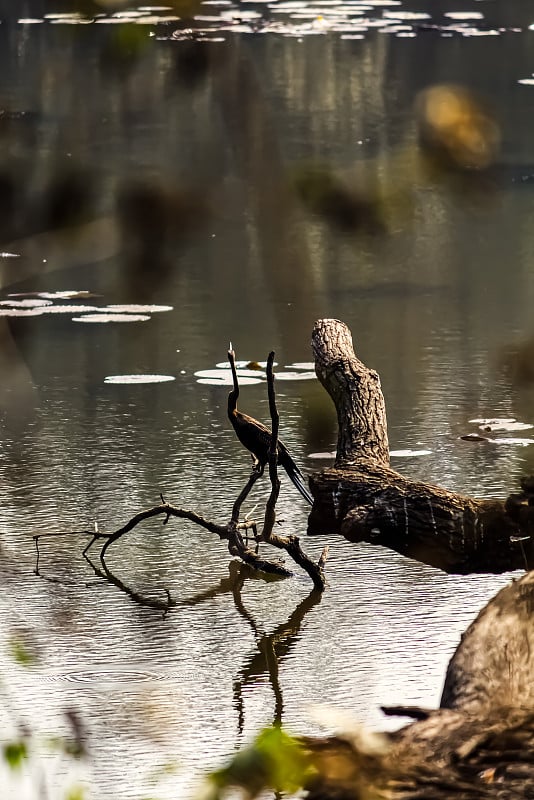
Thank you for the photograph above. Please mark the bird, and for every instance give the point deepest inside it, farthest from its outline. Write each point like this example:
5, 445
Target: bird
256, 437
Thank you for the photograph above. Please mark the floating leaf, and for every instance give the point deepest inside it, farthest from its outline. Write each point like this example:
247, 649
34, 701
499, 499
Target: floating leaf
112, 318
226, 374
492, 421
139, 378
64, 309
322, 455
506, 426
20, 312
258, 365
70, 294
295, 376
409, 453
136, 309
404, 15
307, 365
464, 15
227, 381
25, 303
510, 440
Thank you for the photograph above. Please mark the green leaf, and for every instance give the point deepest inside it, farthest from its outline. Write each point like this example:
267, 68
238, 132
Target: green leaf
14, 754
75, 793
274, 760
21, 653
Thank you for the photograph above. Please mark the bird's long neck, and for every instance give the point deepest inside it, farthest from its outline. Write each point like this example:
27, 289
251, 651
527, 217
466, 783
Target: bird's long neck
234, 394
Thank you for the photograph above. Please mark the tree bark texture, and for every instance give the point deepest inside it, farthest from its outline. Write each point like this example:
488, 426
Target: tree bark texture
362, 498
480, 742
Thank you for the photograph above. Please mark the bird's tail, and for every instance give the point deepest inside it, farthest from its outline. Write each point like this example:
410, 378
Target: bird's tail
293, 472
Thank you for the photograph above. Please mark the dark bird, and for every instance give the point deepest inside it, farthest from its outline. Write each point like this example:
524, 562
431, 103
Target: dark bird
257, 438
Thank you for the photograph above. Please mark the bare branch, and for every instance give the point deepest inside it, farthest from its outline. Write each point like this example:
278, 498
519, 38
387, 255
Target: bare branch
290, 544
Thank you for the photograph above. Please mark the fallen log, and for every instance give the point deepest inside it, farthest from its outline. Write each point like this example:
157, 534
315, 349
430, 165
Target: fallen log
478, 744
365, 500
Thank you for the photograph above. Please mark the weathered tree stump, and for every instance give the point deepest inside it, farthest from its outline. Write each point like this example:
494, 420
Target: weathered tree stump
362, 498
478, 744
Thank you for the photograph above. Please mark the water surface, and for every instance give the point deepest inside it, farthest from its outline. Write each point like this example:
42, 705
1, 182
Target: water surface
214, 137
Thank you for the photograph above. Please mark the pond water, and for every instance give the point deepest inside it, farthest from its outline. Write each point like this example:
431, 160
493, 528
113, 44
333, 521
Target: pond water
171, 149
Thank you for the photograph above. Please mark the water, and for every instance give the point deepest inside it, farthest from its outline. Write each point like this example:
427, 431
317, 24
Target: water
431, 304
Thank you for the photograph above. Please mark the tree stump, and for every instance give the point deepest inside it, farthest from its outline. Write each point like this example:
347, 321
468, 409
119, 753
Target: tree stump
480, 742
365, 500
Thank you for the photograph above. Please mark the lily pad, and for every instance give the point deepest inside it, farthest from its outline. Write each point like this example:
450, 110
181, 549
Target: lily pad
25, 303
69, 294
464, 15
260, 365
227, 381
306, 365
492, 421
322, 455
64, 309
224, 374
295, 376
136, 309
111, 318
510, 440
20, 312
407, 453
506, 426
139, 378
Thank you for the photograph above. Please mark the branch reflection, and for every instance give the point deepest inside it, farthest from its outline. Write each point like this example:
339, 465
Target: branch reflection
271, 648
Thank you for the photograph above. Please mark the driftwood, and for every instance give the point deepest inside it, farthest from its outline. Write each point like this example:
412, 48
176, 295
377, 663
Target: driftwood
478, 744
235, 532
362, 498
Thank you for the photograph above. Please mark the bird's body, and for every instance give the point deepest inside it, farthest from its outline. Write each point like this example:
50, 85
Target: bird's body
256, 437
